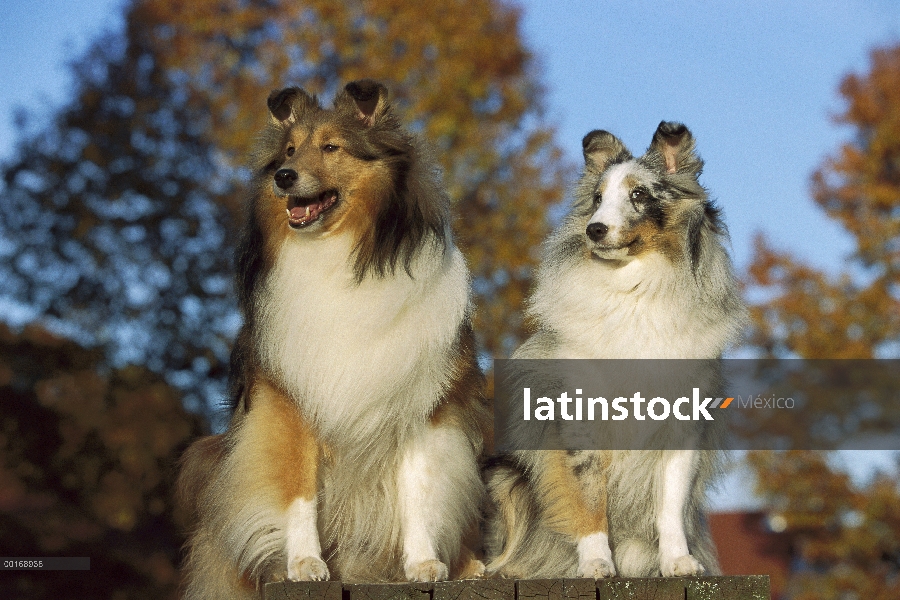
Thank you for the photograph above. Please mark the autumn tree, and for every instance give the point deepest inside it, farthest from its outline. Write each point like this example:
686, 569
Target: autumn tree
458, 72
119, 215
111, 225
87, 468
848, 537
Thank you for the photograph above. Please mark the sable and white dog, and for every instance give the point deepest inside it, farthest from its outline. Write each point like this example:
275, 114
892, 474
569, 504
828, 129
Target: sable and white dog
359, 411
637, 270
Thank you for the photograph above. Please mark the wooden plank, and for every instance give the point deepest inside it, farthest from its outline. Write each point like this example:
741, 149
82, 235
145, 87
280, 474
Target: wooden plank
748, 587
556, 589
539, 589
303, 590
388, 591
579, 589
475, 589
650, 588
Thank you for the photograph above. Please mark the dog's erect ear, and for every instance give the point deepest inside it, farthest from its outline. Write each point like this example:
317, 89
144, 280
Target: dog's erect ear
601, 148
283, 104
366, 99
675, 146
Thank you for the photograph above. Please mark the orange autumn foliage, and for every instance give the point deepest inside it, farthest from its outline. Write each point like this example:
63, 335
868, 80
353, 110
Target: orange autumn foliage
87, 468
458, 71
847, 537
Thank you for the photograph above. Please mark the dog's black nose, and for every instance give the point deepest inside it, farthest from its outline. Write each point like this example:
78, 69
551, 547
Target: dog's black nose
285, 178
596, 231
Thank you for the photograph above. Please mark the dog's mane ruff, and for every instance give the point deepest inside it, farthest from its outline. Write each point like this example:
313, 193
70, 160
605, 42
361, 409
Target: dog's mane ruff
700, 306
251, 268
415, 214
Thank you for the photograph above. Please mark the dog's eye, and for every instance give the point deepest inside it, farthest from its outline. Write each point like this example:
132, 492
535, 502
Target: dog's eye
638, 194
329, 148
290, 151
597, 198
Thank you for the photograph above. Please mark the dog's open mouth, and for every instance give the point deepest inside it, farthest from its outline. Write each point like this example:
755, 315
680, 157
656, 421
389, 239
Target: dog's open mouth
304, 211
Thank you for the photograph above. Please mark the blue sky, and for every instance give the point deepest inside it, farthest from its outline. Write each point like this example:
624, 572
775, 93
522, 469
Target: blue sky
756, 81
37, 40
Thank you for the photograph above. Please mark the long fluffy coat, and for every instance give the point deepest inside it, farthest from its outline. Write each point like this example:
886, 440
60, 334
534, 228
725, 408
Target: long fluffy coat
637, 269
358, 408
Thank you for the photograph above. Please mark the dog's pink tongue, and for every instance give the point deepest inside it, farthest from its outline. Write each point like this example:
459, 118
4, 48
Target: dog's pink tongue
298, 212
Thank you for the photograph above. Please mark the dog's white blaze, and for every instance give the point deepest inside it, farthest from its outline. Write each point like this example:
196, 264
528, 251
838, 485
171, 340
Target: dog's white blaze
678, 475
593, 546
302, 535
345, 350
615, 206
437, 465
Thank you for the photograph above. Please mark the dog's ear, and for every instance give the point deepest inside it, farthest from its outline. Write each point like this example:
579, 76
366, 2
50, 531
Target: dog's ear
287, 103
672, 149
365, 99
601, 148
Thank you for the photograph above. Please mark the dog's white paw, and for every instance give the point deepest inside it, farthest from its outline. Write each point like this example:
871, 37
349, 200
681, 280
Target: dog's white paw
428, 570
683, 566
311, 568
596, 568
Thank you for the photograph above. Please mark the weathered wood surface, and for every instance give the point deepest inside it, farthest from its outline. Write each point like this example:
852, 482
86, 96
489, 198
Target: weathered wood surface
750, 587
307, 590
475, 589
388, 591
753, 587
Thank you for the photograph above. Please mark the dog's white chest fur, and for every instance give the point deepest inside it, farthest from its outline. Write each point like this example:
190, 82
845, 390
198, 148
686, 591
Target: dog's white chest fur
355, 355
644, 309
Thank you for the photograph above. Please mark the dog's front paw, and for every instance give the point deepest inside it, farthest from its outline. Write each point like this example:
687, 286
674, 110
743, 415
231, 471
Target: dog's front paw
474, 569
683, 566
310, 568
596, 568
428, 570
